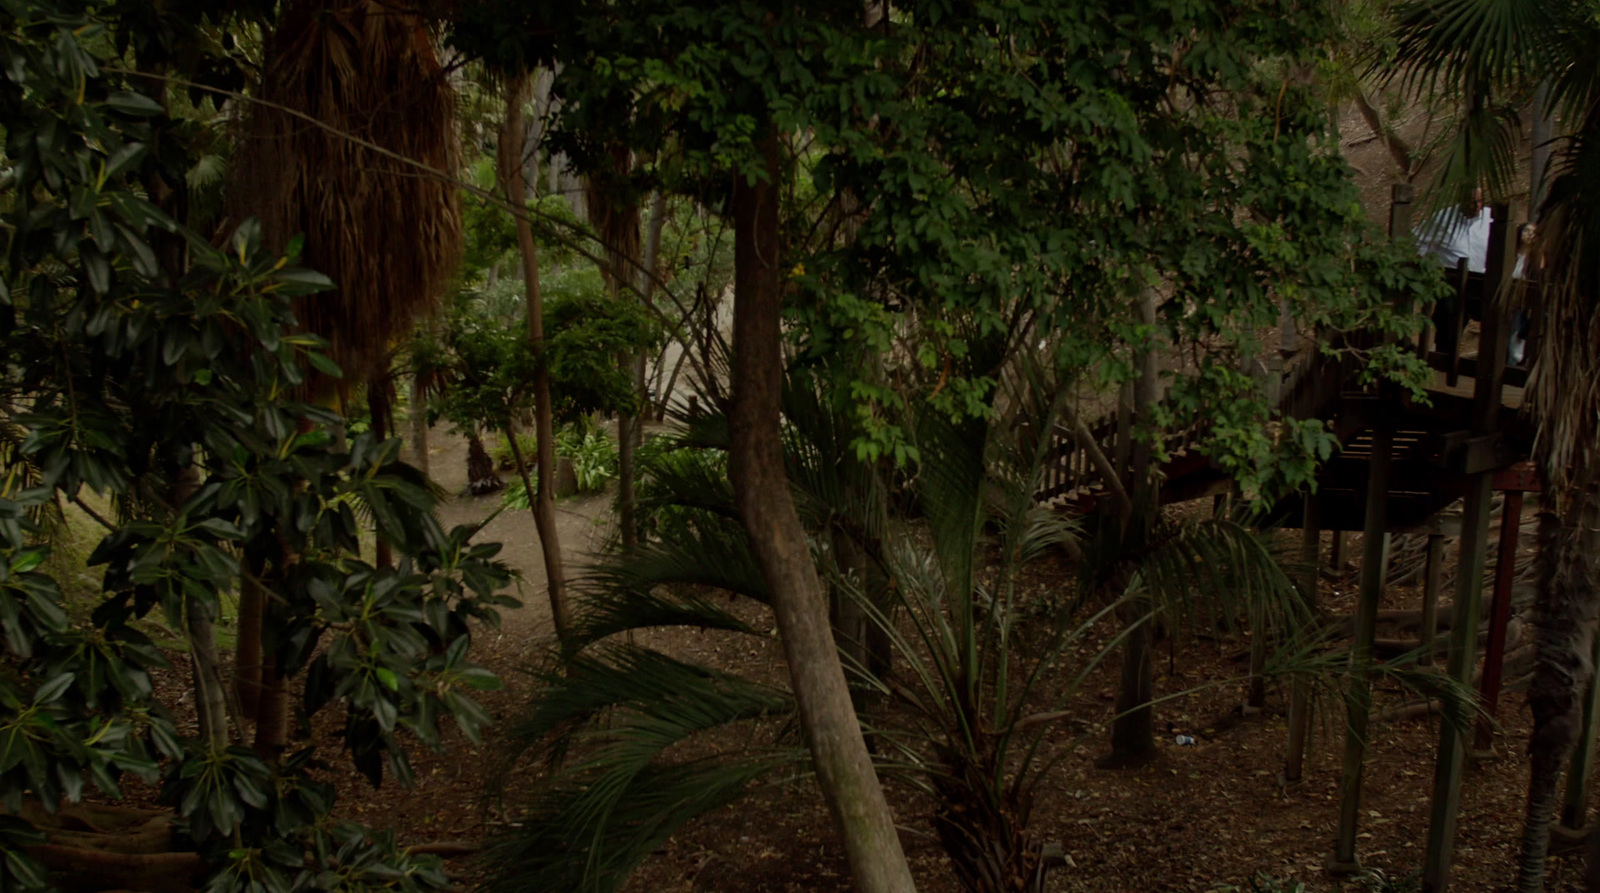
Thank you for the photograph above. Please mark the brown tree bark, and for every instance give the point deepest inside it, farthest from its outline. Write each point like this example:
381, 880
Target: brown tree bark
1569, 614
844, 768
272, 713
614, 214
1398, 150
247, 647
1133, 731
630, 428
515, 187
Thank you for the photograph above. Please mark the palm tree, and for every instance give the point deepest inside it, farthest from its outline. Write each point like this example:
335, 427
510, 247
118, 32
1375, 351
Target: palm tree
388, 238
1495, 54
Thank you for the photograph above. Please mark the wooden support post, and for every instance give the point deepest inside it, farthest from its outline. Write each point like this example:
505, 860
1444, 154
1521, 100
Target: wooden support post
1359, 696
1452, 756
1336, 551
1256, 696
1469, 575
1455, 321
1310, 551
1432, 578
1400, 198
1300, 691
1574, 813
1499, 618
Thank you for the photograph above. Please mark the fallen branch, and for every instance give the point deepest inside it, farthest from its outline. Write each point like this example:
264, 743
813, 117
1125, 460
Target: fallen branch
79, 869
446, 849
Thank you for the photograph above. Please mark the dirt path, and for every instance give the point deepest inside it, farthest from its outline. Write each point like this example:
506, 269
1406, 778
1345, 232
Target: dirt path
583, 524
455, 794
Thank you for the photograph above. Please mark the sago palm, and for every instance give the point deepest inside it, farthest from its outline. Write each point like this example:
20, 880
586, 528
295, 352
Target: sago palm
1495, 54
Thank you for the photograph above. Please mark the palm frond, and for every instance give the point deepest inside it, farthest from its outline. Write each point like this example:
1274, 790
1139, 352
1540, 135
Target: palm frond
1490, 54
622, 707
949, 486
606, 611
710, 551
1476, 44
1225, 566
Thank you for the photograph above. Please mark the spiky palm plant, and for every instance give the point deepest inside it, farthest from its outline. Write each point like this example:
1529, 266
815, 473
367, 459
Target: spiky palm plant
960, 716
1495, 54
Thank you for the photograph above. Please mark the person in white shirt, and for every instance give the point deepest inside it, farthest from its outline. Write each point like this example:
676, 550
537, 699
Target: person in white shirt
1458, 232
1449, 236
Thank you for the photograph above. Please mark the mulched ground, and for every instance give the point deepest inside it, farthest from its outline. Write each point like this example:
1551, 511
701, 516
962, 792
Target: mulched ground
1198, 817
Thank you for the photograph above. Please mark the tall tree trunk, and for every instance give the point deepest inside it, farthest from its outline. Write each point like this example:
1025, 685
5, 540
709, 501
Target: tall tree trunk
247, 647
210, 689
272, 713
210, 699
630, 428
614, 214
844, 768
1569, 613
515, 187
1133, 736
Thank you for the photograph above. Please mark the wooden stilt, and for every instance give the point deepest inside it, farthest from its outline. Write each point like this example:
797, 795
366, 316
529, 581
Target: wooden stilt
1469, 576
1359, 695
1499, 618
1336, 551
1574, 812
1433, 574
1388, 550
1300, 691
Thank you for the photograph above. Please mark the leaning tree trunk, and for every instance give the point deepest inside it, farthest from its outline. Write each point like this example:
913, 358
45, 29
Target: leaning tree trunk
844, 768
514, 184
1569, 614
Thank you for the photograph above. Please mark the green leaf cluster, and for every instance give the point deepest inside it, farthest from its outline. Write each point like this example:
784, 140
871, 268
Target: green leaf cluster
147, 366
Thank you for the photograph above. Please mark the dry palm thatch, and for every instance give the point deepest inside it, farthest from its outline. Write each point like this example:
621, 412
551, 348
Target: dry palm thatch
389, 237
1564, 393
614, 214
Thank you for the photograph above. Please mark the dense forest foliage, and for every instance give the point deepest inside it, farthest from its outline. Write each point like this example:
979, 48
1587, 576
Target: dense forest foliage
824, 293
